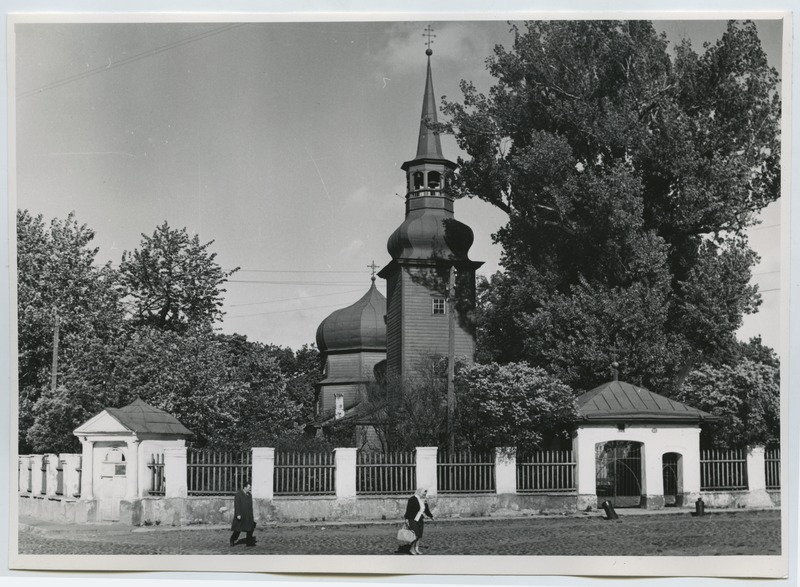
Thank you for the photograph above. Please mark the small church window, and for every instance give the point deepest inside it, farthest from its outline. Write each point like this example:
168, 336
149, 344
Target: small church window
439, 307
434, 180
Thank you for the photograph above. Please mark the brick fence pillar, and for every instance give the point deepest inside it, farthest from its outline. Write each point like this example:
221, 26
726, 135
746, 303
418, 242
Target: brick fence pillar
426, 469
71, 475
175, 472
24, 480
36, 474
263, 475
757, 478
505, 470
51, 472
345, 472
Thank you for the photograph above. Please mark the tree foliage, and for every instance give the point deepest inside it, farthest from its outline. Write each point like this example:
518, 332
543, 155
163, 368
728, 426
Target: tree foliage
230, 392
173, 280
57, 275
745, 397
512, 405
629, 176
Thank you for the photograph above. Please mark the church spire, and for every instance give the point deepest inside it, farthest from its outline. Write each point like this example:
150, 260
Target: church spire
427, 175
429, 145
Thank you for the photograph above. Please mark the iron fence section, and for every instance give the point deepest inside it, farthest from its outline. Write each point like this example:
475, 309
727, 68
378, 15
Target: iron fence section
546, 472
465, 472
723, 469
386, 473
772, 466
216, 472
298, 473
157, 484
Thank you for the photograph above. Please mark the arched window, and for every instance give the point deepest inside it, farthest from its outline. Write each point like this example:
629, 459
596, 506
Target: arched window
434, 180
419, 180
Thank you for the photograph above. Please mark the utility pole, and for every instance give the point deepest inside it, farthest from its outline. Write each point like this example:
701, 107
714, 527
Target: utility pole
451, 359
54, 367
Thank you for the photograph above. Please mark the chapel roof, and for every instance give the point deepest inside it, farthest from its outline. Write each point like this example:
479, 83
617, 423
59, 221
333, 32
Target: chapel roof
141, 417
619, 401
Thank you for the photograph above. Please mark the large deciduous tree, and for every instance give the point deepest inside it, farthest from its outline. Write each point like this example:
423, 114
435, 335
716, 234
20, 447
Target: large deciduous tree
629, 175
173, 280
58, 279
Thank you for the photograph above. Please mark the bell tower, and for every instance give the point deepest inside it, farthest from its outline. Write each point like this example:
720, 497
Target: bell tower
428, 250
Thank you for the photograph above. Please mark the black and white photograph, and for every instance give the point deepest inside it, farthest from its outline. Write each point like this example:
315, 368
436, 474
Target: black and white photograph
410, 295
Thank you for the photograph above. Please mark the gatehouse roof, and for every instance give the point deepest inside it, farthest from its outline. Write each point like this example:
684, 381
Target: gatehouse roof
619, 401
138, 418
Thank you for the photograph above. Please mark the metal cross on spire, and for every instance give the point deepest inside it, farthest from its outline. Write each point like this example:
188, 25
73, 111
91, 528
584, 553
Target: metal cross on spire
373, 266
429, 33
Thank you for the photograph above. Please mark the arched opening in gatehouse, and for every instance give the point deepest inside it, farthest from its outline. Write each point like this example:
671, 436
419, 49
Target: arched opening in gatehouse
672, 468
619, 472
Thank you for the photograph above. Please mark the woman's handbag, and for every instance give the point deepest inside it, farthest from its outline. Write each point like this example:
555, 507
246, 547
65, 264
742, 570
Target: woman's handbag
405, 535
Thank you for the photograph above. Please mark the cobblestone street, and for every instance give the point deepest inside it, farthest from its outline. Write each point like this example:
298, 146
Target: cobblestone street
634, 534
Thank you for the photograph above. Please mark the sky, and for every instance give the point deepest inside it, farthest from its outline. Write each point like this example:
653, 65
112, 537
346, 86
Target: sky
281, 142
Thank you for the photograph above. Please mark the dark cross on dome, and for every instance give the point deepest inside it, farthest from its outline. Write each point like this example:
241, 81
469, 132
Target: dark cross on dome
429, 33
373, 266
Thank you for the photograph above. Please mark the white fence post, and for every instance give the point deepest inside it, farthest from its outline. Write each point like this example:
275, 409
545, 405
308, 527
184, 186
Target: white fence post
757, 478
175, 472
345, 472
583, 447
263, 472
71, 479
505, 470
426, 469
87, 469
36, 474
51, 472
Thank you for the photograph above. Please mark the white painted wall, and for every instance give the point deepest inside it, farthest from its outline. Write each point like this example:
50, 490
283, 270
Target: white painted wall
657, 440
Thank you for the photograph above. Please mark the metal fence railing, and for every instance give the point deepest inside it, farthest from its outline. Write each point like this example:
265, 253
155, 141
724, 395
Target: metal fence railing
386, 474
723, 469
215, 472
546, 472
156, 484
465, 472
299, 473
772, 466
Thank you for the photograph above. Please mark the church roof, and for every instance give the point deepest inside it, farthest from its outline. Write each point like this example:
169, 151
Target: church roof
359, 326
618, 401
141, 417
429, 234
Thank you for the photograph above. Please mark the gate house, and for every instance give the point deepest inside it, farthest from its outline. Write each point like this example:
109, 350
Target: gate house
116, 443
636, 448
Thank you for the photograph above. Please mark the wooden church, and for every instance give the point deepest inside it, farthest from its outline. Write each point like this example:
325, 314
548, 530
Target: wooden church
430, 276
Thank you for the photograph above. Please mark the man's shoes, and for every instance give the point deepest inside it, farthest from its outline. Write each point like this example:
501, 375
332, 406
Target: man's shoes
233, 542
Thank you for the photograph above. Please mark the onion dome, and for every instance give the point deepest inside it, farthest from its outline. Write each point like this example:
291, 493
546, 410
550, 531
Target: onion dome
429, 234
357, 327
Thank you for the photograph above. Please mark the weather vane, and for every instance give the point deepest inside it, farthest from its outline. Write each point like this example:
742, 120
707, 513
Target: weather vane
429, 33
373, 266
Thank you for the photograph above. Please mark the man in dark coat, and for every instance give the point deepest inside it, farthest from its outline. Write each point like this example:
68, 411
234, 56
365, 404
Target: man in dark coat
243, 520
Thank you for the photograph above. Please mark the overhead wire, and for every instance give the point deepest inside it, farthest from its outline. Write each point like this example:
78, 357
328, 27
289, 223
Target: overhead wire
114, 64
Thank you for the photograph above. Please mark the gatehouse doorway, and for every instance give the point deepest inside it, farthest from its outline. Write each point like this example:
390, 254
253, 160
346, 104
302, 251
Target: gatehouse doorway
111, 484
619, 473
671, 464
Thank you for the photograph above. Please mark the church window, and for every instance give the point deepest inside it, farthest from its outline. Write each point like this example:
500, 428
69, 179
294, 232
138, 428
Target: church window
439, 306
419, 180
434, 180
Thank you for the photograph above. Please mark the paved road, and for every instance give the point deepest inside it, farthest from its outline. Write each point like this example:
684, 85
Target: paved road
677, 534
